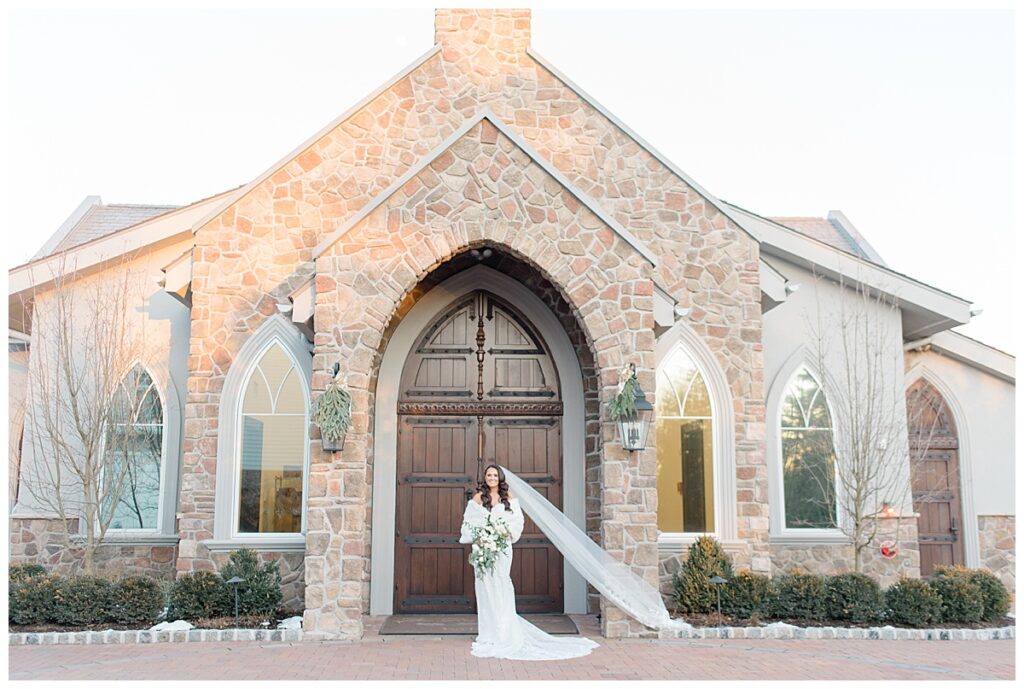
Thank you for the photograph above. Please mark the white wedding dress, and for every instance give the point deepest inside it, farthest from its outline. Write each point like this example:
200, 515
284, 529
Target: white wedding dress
501, 633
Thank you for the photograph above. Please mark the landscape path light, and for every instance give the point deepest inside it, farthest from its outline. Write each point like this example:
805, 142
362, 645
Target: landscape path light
718, 581
235, 581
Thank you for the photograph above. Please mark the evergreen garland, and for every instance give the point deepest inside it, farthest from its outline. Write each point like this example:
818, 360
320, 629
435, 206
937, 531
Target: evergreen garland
332, 411
624, 401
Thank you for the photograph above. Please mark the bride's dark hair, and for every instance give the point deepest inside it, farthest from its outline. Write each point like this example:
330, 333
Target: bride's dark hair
485, 490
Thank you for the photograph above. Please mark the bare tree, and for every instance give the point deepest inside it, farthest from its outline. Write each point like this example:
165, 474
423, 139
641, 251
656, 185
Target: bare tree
857, 346
84, 399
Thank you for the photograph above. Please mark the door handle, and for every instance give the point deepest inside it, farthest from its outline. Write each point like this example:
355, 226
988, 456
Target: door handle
953, 527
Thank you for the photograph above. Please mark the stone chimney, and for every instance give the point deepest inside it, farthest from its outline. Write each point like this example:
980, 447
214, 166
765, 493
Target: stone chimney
470, 30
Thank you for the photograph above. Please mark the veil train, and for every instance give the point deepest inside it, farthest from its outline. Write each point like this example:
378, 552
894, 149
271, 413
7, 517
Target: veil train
613, 579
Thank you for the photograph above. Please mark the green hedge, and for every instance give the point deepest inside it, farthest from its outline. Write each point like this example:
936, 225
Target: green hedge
748, 595
799, 596
137, 601
962, 599
855, 597
17, 571
30, 599
83, 600
35, 597
994, 598
913, 602
198, 595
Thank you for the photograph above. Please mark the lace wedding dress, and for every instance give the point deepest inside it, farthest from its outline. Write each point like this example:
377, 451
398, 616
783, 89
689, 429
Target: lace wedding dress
501, 632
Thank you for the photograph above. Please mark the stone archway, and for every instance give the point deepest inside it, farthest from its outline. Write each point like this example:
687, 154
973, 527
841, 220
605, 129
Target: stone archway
434, 303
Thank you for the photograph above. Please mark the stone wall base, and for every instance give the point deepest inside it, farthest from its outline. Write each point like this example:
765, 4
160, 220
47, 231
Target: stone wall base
835, 558
997, 542
44, 541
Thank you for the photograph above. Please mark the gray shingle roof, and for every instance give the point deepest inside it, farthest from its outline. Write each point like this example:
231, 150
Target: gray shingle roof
824, 230
103, 219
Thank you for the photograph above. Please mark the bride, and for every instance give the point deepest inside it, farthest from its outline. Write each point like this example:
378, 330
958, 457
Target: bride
501, 633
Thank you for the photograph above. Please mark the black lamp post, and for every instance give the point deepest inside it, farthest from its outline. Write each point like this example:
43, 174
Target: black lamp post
634, 427
718, 581
235, 581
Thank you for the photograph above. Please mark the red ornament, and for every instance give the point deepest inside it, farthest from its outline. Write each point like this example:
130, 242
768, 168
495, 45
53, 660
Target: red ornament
889, 549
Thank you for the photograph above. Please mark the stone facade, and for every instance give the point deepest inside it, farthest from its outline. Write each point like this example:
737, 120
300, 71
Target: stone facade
483, 190
493, 150
997, 540
44, 541
833, 558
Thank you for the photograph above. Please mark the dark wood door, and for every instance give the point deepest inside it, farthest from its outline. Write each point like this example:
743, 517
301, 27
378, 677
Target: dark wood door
934, 461
480, 387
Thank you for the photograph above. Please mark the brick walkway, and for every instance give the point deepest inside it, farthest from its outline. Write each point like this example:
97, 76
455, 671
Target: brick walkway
379, 657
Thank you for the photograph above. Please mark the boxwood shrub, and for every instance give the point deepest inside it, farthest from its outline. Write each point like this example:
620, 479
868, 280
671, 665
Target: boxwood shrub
799, 596
962, 599
260, 594
692, 590
22, 570
912, 602
138, 600
855, 597
30, 599
198, 595
995, 597
83, 600
747, 595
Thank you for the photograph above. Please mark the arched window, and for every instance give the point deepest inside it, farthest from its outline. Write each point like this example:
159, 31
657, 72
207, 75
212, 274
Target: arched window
685, 460
134, 455
808, 456
272, 447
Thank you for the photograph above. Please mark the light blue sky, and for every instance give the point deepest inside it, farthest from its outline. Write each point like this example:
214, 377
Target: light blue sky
902, 120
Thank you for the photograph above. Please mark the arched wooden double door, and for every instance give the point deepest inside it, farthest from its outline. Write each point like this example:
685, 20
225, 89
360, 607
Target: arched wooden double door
479, 387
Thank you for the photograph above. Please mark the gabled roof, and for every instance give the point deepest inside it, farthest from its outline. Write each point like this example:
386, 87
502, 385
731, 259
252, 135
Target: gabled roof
550, 169
99, 220
969, 351
246, 188
925, 310
719, 205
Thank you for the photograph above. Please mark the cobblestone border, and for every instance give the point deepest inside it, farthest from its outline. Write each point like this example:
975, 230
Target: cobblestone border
772, 631
887, 633
137, 636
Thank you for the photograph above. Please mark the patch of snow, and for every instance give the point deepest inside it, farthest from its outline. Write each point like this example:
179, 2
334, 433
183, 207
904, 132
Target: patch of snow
176, 626
779, 625
291, 623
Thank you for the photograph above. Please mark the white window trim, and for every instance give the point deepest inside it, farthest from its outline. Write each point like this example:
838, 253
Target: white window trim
275, 329
164, 532
723, 431
778, 532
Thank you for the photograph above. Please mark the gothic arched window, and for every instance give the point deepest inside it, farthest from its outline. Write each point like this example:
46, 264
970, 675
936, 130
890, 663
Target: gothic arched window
272, 446
808, 456
134, 455
683, 423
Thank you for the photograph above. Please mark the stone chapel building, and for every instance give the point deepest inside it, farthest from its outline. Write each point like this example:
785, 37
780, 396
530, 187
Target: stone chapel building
481, 248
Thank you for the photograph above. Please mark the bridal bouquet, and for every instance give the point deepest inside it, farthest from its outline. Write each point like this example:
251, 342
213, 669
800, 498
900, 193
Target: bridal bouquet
490, 540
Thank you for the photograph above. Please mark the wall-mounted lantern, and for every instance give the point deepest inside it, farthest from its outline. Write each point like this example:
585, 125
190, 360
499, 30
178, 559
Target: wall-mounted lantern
631, 410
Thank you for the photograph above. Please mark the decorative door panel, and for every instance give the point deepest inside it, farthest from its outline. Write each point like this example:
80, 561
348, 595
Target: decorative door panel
480, 387
532, 448
436, 461
934, 465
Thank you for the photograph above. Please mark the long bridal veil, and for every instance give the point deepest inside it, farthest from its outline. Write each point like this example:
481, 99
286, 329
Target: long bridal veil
613, 579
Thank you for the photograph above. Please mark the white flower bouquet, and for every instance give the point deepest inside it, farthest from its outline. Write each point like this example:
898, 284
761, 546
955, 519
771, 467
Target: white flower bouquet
490, 540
